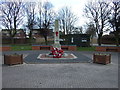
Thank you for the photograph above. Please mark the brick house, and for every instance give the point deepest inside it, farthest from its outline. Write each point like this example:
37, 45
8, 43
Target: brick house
5, 33
20, 36
37, 34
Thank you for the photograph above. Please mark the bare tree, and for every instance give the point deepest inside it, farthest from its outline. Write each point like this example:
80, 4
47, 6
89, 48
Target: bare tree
90, 29
39, 18
48, 15
6, 17
115, 20
12, 15
67, 19
30, 13
98, 12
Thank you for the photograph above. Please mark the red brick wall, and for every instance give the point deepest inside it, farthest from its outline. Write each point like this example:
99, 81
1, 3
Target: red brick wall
72, 48
107, 48
99, 48
118, 48
45, 47
35, 47
5, 48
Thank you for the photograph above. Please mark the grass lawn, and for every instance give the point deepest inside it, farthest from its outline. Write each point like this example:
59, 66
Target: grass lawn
29, 47
85, 48
21, 47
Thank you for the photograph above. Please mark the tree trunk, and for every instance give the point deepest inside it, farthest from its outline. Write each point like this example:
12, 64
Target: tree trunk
117, 42
45, 37
99, 39
30, 37
12, 40
30, 40
117, 39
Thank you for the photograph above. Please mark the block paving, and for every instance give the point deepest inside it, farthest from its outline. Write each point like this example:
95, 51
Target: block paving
61, 75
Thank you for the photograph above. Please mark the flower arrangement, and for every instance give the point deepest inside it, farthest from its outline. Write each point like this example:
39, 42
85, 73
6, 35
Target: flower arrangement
56, 52
15, 54
102, 54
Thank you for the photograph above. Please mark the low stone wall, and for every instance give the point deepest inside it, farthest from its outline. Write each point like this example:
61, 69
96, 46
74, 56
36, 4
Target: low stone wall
72, 47
41, 47
5, 48
108, 48
35, 47
48, 47
69, 47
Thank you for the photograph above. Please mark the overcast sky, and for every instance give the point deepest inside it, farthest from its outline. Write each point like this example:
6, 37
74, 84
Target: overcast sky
76, 7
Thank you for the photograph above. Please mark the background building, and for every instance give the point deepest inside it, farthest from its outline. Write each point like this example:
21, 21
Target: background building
76, 39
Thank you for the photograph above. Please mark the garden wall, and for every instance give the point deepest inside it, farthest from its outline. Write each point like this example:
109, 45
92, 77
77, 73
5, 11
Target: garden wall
48, 47
108, 48
5, 48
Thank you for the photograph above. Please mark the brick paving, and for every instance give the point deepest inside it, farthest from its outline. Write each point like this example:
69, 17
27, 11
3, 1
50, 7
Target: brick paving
61, 75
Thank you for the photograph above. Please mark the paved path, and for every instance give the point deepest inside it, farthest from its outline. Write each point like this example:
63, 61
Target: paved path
65, 75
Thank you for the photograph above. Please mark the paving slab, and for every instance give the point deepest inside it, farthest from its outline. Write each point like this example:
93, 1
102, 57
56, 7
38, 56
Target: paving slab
61, 75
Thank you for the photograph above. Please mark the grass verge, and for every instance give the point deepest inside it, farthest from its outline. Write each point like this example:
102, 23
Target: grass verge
85, 48
21, 47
